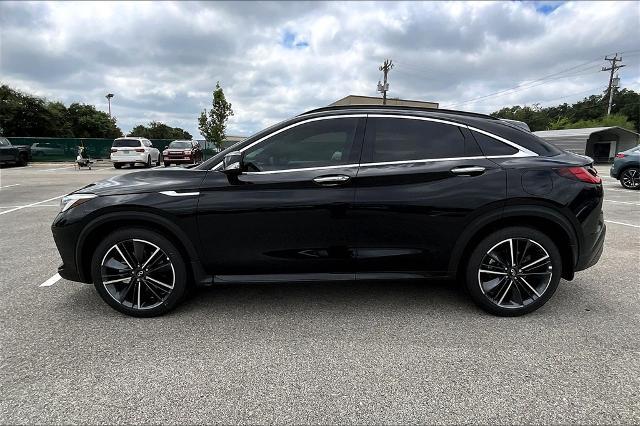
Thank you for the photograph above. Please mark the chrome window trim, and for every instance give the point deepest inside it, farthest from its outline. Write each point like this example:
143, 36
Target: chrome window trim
522, 152
329, 117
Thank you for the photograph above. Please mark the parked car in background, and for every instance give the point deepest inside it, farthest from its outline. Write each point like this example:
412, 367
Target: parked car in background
358, 192
182, 152
132, 151
14, 154
42, 149
626, 168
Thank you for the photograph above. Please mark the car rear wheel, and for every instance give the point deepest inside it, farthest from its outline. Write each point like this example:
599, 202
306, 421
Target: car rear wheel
513, 271
139, 272
630, 178
117, 165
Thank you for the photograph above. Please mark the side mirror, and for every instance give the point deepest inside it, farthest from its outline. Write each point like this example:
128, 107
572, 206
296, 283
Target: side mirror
233, 163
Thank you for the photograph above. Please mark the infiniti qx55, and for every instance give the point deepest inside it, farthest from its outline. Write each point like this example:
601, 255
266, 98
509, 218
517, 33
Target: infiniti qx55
344, 193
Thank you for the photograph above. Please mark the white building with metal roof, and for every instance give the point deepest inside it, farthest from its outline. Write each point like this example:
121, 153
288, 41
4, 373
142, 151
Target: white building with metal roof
599, 143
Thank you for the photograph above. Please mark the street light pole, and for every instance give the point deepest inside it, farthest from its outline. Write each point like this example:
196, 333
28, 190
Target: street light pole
109, 96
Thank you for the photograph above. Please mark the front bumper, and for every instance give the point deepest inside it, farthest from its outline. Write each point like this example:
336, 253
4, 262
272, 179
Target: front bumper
65, 238
176, 160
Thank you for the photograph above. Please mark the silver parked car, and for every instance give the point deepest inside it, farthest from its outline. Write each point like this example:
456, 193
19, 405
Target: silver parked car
626, 168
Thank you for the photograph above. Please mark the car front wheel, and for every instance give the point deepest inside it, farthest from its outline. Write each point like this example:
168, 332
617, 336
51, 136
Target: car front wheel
513, 271
630, 178
139, 272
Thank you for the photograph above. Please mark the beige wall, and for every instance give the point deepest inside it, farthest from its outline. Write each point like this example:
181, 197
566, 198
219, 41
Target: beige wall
370, 100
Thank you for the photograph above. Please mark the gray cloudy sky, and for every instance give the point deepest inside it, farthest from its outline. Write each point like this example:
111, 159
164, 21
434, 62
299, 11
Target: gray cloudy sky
274, 60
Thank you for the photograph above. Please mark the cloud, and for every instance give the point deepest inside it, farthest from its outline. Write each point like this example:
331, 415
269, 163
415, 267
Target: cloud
275, 60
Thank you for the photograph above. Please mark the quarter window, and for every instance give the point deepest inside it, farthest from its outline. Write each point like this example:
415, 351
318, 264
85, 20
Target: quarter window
491, 146
314, 144
399, 139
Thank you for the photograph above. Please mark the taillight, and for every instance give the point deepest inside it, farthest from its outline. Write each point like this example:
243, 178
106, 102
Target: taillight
114, 150
579, 173
620, 155
139, 149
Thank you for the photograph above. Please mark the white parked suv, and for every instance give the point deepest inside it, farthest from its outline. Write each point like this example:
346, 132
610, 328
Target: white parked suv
130, 150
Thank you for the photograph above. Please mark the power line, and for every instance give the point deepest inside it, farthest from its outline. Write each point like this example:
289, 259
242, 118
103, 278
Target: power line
612, 82
384, 87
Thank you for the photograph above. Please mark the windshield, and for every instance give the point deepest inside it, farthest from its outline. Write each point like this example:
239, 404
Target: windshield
4, 142
126, 143
180, 145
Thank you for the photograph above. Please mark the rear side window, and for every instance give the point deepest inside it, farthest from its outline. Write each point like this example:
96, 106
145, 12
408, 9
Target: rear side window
126, 143
491, 146
400, 139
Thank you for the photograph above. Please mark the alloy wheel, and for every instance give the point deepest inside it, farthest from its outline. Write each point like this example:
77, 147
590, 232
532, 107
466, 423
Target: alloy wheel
515, 272
137, 274
631, 178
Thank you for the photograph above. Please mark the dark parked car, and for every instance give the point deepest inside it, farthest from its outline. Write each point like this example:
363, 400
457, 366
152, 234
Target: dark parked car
14, 154
182, 152
626, 168
345, 193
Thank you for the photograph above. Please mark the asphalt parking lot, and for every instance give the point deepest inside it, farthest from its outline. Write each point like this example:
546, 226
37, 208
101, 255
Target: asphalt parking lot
394, 352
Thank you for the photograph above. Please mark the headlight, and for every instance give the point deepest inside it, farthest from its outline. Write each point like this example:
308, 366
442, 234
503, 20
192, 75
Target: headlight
73, 200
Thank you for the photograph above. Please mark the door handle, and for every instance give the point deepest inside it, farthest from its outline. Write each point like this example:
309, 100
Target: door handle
332, 180
468, 171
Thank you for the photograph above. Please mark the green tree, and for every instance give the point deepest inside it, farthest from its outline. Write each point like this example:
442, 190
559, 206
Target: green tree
213, 123
157, 130
87, 122
25, 115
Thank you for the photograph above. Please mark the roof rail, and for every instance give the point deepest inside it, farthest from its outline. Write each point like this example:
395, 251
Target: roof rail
398, 107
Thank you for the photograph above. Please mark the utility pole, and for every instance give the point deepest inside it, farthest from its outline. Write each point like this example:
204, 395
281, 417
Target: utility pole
613, 82
383, 87
109, 96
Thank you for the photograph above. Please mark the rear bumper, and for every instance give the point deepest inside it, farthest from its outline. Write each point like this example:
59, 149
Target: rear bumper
590, 257
138, 158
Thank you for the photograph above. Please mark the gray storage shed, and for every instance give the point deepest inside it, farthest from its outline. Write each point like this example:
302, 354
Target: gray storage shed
599, 143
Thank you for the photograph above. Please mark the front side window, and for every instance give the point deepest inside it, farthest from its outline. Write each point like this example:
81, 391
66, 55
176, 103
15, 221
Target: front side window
4, 142
318, 143
126, 143
400, 139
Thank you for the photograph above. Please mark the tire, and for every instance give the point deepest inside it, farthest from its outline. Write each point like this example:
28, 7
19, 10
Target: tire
515, 290
148, 163
159, 160
630, 178
117, 165
22, 160
149, 295
167, 164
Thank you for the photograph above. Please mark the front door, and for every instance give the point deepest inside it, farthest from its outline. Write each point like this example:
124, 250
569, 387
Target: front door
289, 212
418, 184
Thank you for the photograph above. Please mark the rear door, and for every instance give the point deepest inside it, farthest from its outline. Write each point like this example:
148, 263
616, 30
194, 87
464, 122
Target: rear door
420, 183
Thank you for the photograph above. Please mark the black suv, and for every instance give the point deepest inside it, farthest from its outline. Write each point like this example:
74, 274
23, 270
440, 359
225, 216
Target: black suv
344, 193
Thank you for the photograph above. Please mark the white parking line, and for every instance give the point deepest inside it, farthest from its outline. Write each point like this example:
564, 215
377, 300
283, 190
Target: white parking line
622, 202
621, 223
9, 186
51, 281
628, 191
38, 205
57, 168
30, 205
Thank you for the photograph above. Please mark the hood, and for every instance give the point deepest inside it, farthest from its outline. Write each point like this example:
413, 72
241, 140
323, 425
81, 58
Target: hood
177, 179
